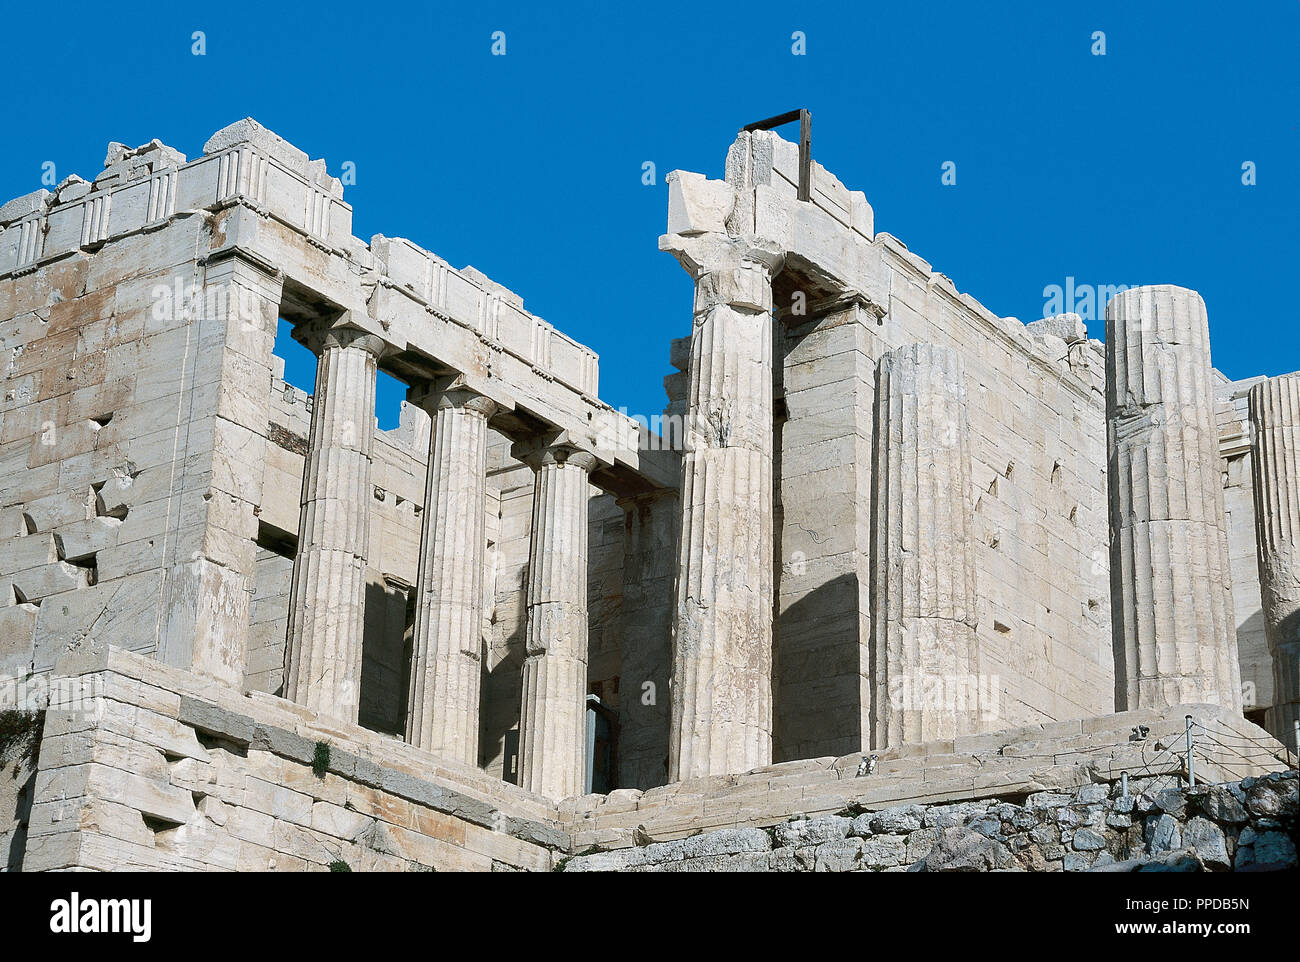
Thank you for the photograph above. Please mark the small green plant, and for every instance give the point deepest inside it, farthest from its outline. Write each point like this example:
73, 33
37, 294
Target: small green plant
340, 866
561, 864
320, 762
20, 729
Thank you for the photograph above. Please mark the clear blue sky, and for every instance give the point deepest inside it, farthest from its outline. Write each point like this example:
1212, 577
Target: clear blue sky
1116, 169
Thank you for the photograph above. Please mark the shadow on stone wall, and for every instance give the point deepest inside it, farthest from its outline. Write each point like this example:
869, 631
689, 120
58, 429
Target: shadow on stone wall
817, 685
385, 658
501, 696
20, 746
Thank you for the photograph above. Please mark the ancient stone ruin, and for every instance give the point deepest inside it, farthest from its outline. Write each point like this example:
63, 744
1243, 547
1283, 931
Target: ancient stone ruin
891, 574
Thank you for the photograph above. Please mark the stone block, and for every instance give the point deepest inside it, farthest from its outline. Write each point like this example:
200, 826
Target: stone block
84, 539
841, 855
1208, 841
698, 205
812, 831
17, 633
1162, 834
19, 554
897, 820
40, 582
1266, 851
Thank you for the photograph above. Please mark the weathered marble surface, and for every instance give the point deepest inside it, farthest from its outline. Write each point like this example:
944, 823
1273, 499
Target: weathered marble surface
1175, 634
1275, 418
553, 716
722, 629
446, 657
327, 602
174, 771
925, 661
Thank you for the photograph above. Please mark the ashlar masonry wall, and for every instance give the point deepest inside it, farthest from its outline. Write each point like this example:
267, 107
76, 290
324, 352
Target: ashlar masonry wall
1038, 463
128, 423
163, 771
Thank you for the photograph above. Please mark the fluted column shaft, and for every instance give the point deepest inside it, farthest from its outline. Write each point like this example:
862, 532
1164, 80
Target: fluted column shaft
1171, 586
553, 716
1275, 454
925, 656
446, 665
327, 600
721, 716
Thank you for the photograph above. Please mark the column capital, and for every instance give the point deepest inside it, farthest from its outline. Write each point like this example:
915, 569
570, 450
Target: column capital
557, 448
339, 332
458, 390
734, 272
701, 254
443, 394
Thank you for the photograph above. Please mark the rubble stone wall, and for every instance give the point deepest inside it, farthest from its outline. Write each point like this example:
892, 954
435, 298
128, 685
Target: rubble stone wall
1160, 824
1010, 764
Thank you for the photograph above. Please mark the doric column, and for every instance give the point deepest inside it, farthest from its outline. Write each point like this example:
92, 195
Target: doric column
925, 656
1275, 460
327, 600
445, 660
722, 626
1171, 589
553, 714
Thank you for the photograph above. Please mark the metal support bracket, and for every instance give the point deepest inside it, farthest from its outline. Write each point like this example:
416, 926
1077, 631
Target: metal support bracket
805, 143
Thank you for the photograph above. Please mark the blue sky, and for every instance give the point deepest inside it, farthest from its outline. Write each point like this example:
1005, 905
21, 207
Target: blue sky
1116, 169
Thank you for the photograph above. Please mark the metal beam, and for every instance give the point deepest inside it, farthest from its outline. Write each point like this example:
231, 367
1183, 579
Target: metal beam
805, 143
